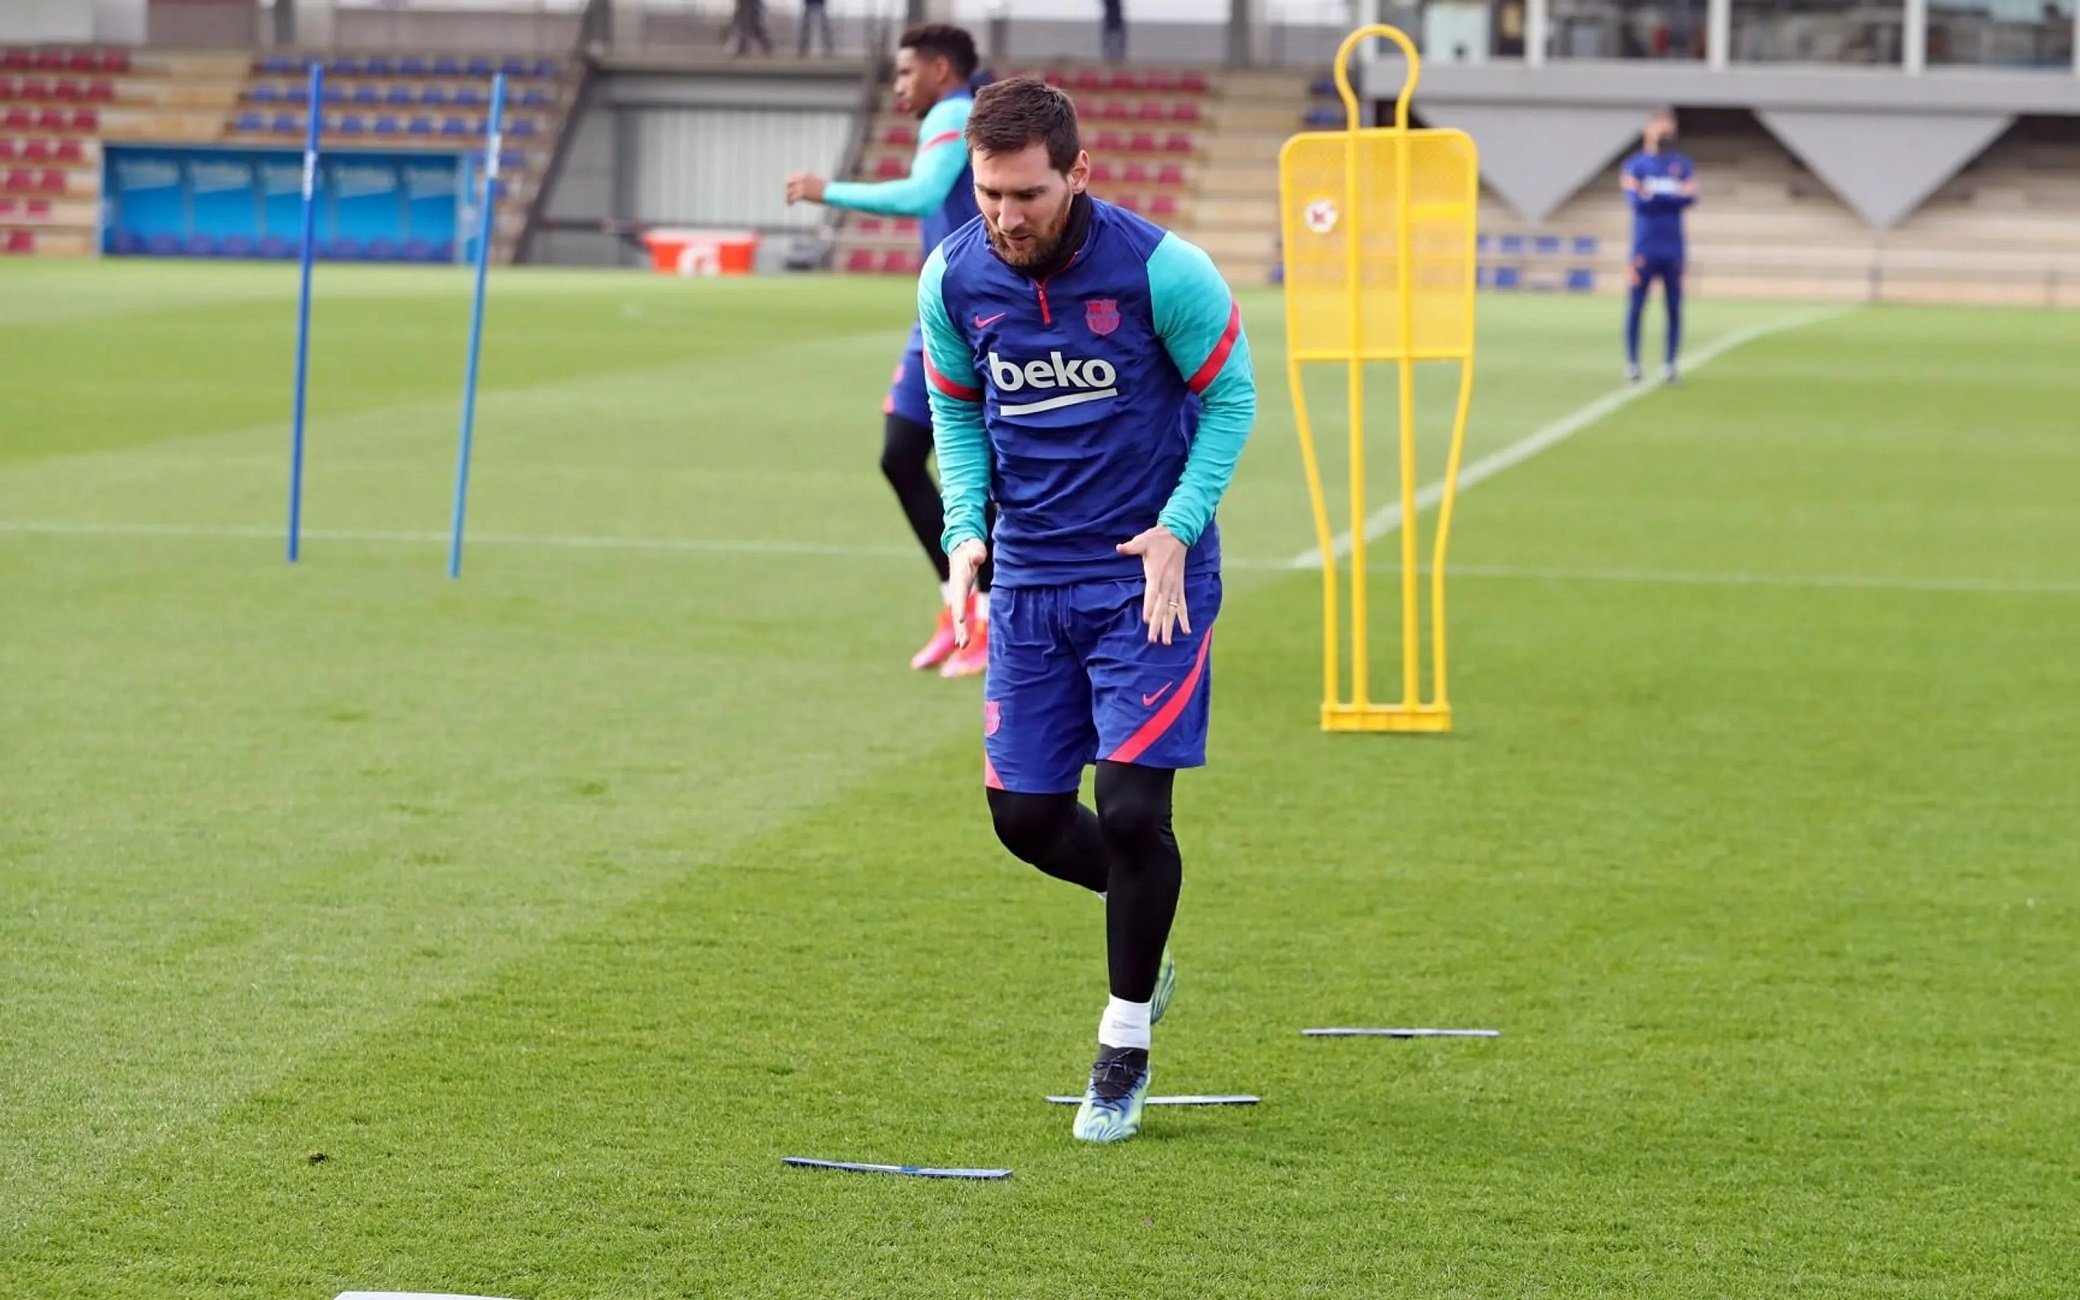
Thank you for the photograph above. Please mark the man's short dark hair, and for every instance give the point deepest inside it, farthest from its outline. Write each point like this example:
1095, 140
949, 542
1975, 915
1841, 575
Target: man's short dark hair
943, 40
1013, 115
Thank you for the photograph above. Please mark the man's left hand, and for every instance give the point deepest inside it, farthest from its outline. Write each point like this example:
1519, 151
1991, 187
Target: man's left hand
1162, 563
805, 187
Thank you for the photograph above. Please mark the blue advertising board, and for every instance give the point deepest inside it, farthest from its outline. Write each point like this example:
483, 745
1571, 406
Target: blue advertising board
224, 201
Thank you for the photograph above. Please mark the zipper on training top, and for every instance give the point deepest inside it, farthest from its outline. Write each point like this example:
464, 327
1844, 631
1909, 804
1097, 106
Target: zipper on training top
1040, 288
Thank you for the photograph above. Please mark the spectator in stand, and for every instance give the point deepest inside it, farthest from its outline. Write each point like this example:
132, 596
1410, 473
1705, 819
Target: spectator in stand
816, 16
1115, 31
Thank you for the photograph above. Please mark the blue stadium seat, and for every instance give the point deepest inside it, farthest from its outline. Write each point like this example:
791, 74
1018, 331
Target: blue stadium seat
1581, 280
353, 124
534, 99
367, 96
1480, 242
433, 96
400, 97
454, 126
281, 64
420, 126
236, 246
1508, 277
481, 67
296, 94
517, 68
418, 250
1482, 278
1585, 245
200, 246
444, 251
276, 246
1324, 117
346, 66
127, 241
250, 122
287, 123
267, 93
341, 249
512, 160
411, 67
387, 126
522, 129
1513, 245
335, 95
545, 67
1547, 244
1323, 85
446, 68
379, 67
163, 245
469, 97
381, 250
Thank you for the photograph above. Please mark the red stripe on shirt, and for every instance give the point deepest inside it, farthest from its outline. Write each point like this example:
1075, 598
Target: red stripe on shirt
947, 386
1201, 381
944, 137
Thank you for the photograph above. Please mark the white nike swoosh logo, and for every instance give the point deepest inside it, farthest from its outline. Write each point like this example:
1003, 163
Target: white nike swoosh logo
982, 324
1056, 403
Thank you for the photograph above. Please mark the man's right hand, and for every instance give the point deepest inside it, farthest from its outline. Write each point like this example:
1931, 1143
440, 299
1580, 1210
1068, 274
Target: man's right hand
803, 187
965, 561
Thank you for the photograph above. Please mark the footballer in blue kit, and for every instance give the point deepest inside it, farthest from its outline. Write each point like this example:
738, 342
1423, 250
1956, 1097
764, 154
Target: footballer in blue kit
1090, 378
935, 78
1659, 183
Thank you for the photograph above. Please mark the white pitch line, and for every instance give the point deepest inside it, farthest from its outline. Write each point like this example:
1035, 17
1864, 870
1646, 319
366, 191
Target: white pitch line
754, 547
1388, 518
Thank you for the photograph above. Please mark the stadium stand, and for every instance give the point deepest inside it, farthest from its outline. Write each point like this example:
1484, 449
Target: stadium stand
59, 105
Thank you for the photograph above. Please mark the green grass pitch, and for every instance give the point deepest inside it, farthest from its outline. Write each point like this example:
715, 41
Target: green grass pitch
552, 907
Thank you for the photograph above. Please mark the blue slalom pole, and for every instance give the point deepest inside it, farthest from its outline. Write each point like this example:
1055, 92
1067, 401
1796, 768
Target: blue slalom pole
303, 312
493, 128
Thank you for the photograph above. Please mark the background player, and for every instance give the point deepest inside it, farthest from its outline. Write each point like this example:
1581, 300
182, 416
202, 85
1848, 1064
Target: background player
1659, 183
1089, 370
935, 66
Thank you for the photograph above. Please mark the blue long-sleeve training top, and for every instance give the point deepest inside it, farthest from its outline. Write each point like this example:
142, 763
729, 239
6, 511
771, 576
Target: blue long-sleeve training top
940, 189
1114, 395
1658, 202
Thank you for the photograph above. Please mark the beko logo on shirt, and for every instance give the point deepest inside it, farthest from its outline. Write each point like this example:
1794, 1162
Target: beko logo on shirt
1086, 380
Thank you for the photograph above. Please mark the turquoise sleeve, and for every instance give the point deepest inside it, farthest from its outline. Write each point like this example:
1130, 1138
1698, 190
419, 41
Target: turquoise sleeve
941, 153
955, 391
1201, 327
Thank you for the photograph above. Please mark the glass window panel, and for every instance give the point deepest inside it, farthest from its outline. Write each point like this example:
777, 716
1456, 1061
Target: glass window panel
2001, 33
1817, 31
1627, 29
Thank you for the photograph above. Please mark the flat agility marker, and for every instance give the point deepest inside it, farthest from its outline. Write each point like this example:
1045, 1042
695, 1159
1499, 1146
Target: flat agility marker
1217, 1099
910, 1171
1402, 1033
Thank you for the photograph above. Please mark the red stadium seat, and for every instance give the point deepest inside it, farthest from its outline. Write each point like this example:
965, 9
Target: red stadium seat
1088, 79
1115, 111
84, 61
36, 151
860, 259
867, 225
900, 135
889, 169
33, 89
14, 60
6, 90
1143, 142
1131, 202
53, 119
50, 61
1127, 81
115, 61
900, 261
7, 207
52, 183
906, 227
8, 148
1056, 79
1162, 205
1178, 143
1101, 173
85, 119
38, 209
101, 92
68, 91
71, 151
1171, 174
20, 241
1159, 82
1184, 110
18, 181
1135, 174
1107, 142
1152, 110
18, 119
1192, 83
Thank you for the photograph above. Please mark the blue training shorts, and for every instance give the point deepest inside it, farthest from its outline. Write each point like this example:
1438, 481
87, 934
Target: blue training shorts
1073, 679
906, 393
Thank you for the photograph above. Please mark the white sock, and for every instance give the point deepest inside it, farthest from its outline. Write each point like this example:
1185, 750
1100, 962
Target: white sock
982, 607
1125, 1025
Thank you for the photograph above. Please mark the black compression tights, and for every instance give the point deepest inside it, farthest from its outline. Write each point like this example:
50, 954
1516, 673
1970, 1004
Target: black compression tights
906, 452
1125, 850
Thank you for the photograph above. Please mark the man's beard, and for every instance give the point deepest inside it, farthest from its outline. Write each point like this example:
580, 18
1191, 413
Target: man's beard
1041, 247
